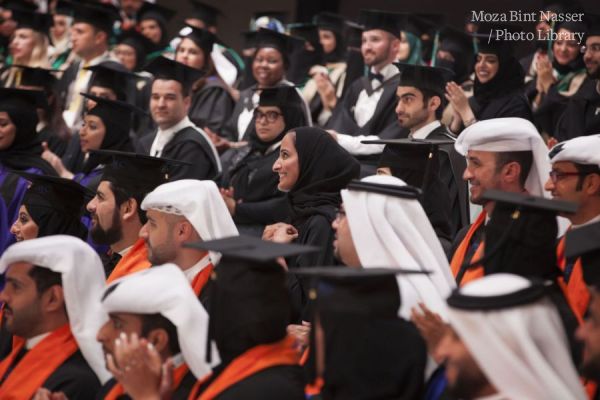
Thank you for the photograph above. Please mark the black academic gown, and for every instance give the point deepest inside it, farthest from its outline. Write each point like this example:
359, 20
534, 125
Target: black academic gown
513, 104
55, 144
212, 105
275, 383
190, 146
581, 116
182, 392
74, 378
255, 185
382, 123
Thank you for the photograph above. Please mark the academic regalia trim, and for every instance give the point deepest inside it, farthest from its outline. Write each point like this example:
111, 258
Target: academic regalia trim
522, 201
404, 192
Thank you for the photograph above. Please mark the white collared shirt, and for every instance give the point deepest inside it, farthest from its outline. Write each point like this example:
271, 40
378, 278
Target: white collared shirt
163, 137
194, 270
591, 221
365, 105
32, 342
424, 131
124, 252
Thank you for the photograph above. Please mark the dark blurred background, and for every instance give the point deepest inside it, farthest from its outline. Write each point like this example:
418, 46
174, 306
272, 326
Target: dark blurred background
237, 13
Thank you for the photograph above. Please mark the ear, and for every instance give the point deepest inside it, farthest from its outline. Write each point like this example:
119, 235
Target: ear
184, 231
53, 299
187, 102
510, 172
434, 103
159, 339
591, 185
129, 209
100, 37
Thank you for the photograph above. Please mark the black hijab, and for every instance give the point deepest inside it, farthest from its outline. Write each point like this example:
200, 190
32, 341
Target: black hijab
509, 78
56, 205
325, 169
26, 149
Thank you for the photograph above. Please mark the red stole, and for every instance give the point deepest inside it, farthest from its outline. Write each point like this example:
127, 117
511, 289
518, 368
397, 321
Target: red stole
201, 278
37, 365
576, 289
135, 260
458, 259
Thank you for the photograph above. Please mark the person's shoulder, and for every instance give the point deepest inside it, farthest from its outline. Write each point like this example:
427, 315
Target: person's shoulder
74, 377
279, 382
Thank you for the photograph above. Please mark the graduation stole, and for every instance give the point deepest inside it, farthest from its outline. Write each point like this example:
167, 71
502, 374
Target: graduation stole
201, 278
37, 365
576, 290
249, 363
458, 259
178, 374
135, 260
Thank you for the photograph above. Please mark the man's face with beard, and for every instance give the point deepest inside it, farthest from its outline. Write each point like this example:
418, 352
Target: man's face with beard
465, 378
106, 216
592, 56
412, 110
159, 235
589, 335
378, 47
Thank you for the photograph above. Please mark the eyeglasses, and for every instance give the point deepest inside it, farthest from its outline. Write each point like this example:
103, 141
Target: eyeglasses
555, 176
594, 48
271, 116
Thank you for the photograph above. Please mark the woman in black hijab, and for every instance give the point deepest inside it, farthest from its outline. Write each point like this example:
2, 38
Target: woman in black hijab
152, 23
106, 126
251, 192
312, 169
51, 206
498, 87
20, 147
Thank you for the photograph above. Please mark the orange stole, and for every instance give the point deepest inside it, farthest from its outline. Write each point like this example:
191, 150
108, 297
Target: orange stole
178, 375
458, 259
201, 278
576, 290
37, 365
251, 362
135, 260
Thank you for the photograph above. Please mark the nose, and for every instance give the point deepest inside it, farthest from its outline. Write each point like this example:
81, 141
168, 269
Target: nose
468, 174
335, 224
277, 165
101, 335
587, 56
144, 231
91, 206
549, 185
14, 229
399, 107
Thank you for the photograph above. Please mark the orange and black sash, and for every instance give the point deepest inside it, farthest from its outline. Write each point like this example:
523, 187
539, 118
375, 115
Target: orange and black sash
135, 260
178, 374
201, 278
458, 259
37, 365
249, 363
572, 274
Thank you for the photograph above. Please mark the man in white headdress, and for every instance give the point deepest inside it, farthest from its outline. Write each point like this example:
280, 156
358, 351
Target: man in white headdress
155, 321
392, 230
507, 154
51, 306
184, 211
507, 342
575, 177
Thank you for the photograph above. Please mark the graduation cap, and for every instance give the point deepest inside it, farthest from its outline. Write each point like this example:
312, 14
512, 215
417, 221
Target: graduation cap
112, 75
282, 96
423, 77
418, 24
250, 303
593, 25
404, 192
584, 242
156, 12
353, 34
202, 38
204, 12
489, 39
135, 171
431, 22
498, 292
383, 20
249, 39
37, 77
19, 5
97, 15
164, 68
308, 32
330, 21
38, 22
63, 8
455, 41
21, 98
520, 237
63, 195
286, 44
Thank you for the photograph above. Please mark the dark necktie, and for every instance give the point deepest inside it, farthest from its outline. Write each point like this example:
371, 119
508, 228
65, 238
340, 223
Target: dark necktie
373, 75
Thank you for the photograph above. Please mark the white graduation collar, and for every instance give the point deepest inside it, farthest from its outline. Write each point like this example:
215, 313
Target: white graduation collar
194, 270
591, 221
184, 123
32, 342
424, 131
